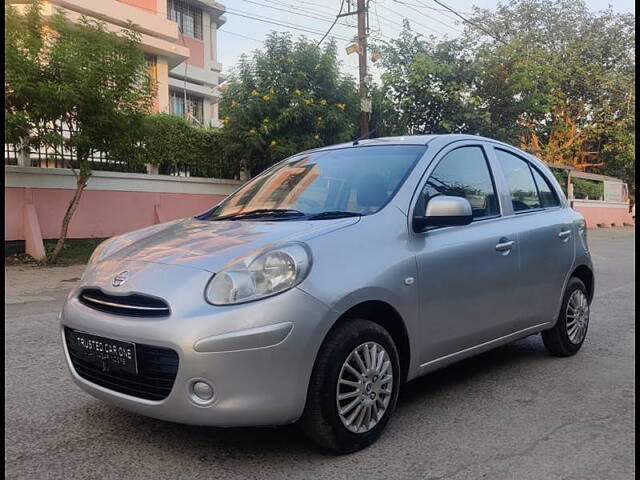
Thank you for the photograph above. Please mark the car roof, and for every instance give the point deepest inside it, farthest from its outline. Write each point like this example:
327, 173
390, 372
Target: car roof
407, 140
424, 140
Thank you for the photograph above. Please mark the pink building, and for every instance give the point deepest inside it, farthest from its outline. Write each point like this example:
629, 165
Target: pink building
179, 38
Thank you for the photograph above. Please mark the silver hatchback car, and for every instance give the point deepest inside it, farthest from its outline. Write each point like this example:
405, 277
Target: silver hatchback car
319, 287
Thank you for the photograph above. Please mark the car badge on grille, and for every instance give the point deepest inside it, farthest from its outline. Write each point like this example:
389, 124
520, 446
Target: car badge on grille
120, 278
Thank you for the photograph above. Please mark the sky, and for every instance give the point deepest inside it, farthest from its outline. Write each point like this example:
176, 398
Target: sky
243, 35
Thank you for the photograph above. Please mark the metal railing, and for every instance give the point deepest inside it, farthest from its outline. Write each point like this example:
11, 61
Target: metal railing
47, 158
65, 156
62, 157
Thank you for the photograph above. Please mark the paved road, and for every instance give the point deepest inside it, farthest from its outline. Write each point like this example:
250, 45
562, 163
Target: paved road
513, 413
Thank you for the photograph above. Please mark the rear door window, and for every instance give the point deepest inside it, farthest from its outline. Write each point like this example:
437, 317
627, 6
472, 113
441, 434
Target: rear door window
548, 197
522, 186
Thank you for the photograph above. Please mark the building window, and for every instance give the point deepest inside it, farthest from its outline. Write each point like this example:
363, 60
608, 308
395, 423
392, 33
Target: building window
188, 17
194, 110
152, 65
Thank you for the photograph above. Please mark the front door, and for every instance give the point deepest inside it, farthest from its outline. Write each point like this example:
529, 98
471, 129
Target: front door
466, 274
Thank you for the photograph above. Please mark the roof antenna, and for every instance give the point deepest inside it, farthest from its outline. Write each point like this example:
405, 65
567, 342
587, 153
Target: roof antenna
364, 137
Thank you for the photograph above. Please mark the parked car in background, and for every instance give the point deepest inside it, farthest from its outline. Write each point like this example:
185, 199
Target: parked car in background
319, 287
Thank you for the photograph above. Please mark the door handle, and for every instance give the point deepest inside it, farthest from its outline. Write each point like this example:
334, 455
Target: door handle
564, 235
505, 246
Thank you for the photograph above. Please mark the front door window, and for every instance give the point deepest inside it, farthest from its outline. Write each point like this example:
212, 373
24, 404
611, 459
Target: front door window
464, 172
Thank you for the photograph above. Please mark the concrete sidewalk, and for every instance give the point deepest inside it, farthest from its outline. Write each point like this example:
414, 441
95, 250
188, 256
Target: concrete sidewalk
33, 283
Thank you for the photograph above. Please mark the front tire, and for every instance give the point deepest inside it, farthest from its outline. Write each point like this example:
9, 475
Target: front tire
570, 330
353, 388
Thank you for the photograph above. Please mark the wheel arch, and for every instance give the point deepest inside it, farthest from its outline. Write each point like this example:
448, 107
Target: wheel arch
585, 274
385, 315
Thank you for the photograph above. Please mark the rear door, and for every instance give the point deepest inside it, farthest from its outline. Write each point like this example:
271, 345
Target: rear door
544, 235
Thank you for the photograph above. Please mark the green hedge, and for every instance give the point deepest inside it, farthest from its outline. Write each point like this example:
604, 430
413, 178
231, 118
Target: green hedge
174, 144
177, 146
591, 189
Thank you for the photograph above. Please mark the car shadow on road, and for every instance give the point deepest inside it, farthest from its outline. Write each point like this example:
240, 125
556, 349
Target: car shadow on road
207, 444
510, 356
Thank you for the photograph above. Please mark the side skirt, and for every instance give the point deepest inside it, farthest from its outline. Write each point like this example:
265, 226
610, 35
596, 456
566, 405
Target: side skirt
482, 347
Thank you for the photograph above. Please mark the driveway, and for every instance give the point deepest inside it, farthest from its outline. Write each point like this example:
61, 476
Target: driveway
512, 413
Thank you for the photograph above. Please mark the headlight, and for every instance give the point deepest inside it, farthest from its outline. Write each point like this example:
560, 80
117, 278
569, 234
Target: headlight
269, 273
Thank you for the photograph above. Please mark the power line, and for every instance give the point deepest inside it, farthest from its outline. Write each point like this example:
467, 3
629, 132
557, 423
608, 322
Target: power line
310, 9
273, 21
240, 35
375, 9
466, 20
353, 67
305, 3
385, 21
333, 24
326, 15
389, 21
323, 19
247, 15
411, 21
439, 11
412, 7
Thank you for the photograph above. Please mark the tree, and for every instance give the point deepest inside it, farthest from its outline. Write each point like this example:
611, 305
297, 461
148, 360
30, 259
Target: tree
549, 75
618, 154
426, 87
560, 80
286, 98
77, 77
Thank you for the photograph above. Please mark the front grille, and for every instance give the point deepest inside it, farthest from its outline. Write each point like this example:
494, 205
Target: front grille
157, 370
132, 305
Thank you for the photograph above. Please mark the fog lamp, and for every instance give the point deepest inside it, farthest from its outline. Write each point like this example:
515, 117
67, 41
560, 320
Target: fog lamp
202, 390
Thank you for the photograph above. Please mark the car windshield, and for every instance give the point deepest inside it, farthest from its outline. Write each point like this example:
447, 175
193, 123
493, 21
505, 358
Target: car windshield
323, 184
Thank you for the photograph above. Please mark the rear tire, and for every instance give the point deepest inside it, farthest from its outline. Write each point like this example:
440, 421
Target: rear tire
373, 398
570, 330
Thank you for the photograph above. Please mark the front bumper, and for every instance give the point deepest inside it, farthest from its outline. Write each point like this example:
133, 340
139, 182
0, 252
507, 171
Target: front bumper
257, 357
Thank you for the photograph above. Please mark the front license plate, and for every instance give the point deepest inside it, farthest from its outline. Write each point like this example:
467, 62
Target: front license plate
110, 355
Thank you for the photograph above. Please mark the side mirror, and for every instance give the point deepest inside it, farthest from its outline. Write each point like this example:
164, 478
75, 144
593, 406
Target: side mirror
444, 211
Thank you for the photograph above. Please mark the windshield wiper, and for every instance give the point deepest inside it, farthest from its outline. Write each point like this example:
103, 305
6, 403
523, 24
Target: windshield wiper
261, 212
334, 214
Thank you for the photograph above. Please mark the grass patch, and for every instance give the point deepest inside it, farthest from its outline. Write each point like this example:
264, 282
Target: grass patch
76, 251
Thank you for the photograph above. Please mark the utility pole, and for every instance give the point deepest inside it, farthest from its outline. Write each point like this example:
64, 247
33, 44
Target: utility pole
362, 11
365, 103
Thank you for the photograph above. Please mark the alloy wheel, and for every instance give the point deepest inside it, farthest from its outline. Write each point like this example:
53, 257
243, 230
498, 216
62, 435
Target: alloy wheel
364, 389
577, 316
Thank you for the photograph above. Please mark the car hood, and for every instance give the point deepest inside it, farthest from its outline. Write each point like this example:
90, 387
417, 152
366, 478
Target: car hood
210, 245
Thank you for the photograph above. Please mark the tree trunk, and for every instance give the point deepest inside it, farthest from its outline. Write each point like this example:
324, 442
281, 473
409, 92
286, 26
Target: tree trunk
245, 171
81, 183
24, 153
